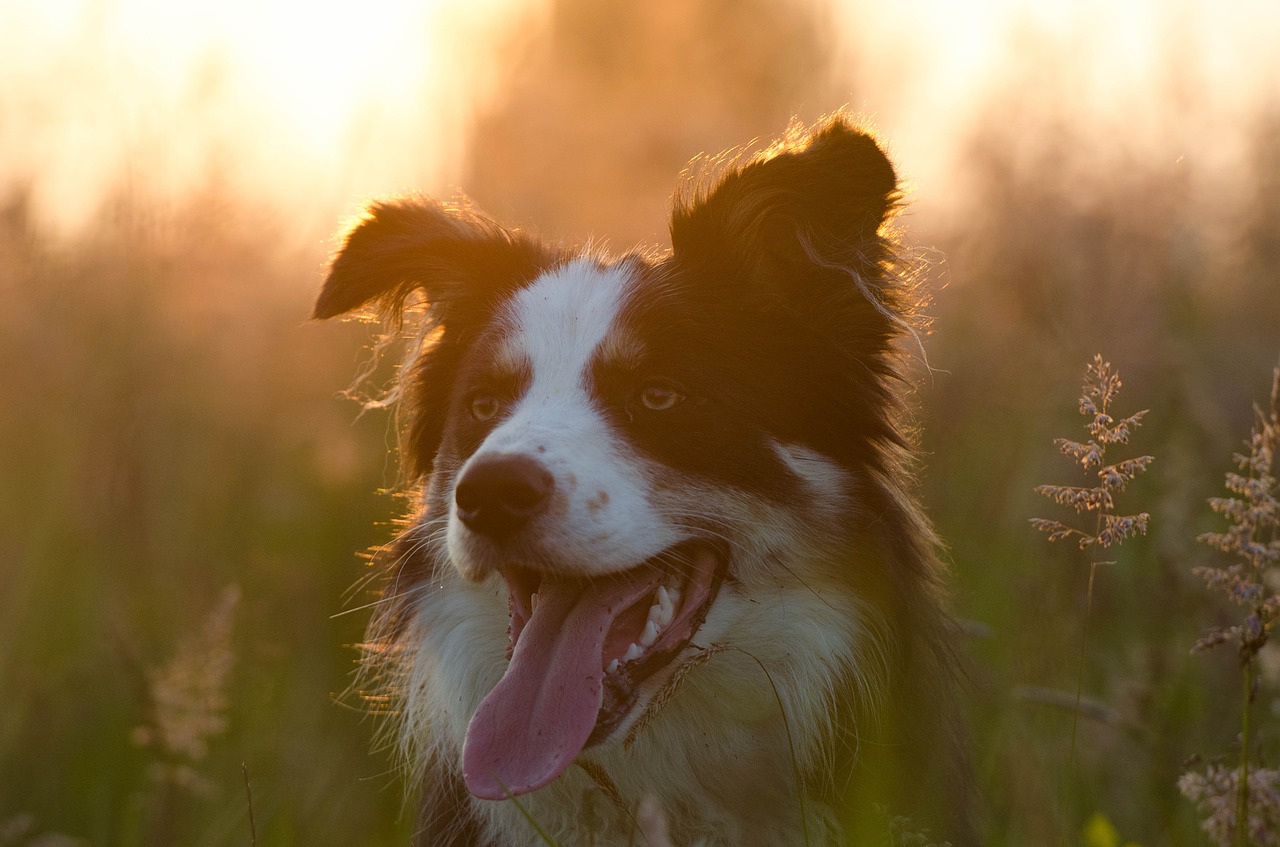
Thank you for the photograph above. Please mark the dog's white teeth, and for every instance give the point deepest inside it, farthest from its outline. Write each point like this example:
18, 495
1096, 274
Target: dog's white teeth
649, 635
533, 603
661, 613
666, 609
658, 616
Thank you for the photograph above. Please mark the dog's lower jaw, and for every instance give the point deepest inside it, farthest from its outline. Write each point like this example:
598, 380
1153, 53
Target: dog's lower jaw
720, 738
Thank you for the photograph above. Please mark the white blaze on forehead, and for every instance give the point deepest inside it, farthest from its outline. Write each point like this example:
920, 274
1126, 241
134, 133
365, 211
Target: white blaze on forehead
557, 323
600, 518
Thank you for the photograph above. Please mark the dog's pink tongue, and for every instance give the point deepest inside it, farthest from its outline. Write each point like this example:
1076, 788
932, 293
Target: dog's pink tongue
535, 721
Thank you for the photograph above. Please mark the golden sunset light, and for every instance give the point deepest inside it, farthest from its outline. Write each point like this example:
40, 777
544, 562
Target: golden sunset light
278, 98
282, 99
233, 531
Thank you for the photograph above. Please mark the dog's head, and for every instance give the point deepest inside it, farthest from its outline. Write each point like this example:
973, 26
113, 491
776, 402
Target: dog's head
628, 443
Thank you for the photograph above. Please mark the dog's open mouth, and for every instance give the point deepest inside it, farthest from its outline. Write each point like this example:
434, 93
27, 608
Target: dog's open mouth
579, 650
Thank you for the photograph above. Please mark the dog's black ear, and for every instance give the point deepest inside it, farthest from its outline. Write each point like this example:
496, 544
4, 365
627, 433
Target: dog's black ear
819, 196
454, 255
462, 262
795, 241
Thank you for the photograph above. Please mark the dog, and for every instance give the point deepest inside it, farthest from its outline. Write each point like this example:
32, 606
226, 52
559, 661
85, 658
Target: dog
663, 544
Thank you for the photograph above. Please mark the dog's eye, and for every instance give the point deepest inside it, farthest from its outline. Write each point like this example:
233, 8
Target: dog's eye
659, 398
484, 407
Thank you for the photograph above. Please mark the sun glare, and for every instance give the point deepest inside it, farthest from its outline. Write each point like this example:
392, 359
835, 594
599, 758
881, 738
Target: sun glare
312, 64
280, 96
291, 92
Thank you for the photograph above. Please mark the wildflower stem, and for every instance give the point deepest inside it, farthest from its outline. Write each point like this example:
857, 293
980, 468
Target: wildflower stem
1242, 789
533, 822
1084, 646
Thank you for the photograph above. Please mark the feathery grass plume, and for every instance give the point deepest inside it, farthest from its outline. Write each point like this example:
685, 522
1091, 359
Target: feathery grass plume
189, 698
1101, 385
1253, 539
1216, 791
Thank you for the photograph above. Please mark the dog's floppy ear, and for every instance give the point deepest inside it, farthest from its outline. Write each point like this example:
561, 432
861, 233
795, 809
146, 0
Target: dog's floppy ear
453, 254
820, 196
462, 262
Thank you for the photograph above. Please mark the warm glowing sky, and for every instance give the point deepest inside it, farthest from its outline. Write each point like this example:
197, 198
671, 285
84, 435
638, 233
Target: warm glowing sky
287, 90
361, 101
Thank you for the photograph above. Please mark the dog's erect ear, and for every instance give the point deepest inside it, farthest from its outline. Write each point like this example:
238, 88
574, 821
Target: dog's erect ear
820, 197
452, 254
795, 241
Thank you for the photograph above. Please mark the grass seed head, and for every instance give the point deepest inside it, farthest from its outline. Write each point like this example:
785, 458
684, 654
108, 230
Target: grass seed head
1215, 792
1101, 386
1253, 538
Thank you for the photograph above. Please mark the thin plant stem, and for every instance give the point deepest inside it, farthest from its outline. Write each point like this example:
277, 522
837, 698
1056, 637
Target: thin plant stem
1075, 713
248, 793
533, 822
1242, 788
1084, 646
1084, 649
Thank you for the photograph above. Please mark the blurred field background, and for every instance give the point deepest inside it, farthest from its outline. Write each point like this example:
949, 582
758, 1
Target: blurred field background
183, 495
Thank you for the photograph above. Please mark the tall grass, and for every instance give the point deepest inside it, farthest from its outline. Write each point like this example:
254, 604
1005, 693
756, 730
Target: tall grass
169, 429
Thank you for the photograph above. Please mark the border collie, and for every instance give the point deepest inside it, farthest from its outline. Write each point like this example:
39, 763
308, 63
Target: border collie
663, 544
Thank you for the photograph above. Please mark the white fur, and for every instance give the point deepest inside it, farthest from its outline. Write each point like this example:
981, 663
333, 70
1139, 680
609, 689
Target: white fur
828, 483
601, 517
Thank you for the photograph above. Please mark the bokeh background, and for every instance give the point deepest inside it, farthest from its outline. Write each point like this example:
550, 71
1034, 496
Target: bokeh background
183, 494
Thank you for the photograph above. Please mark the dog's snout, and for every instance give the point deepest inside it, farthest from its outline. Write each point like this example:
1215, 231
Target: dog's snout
498, 495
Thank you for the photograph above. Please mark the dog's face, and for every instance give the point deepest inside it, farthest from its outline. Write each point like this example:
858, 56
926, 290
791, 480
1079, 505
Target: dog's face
546, 411
565, 431
639, 450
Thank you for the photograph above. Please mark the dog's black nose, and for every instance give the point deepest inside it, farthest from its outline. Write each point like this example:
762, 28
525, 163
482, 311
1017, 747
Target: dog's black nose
498, 495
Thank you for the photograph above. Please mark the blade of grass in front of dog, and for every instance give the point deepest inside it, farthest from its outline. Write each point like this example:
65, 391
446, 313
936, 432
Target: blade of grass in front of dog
533, 822
248, 792
791, 747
